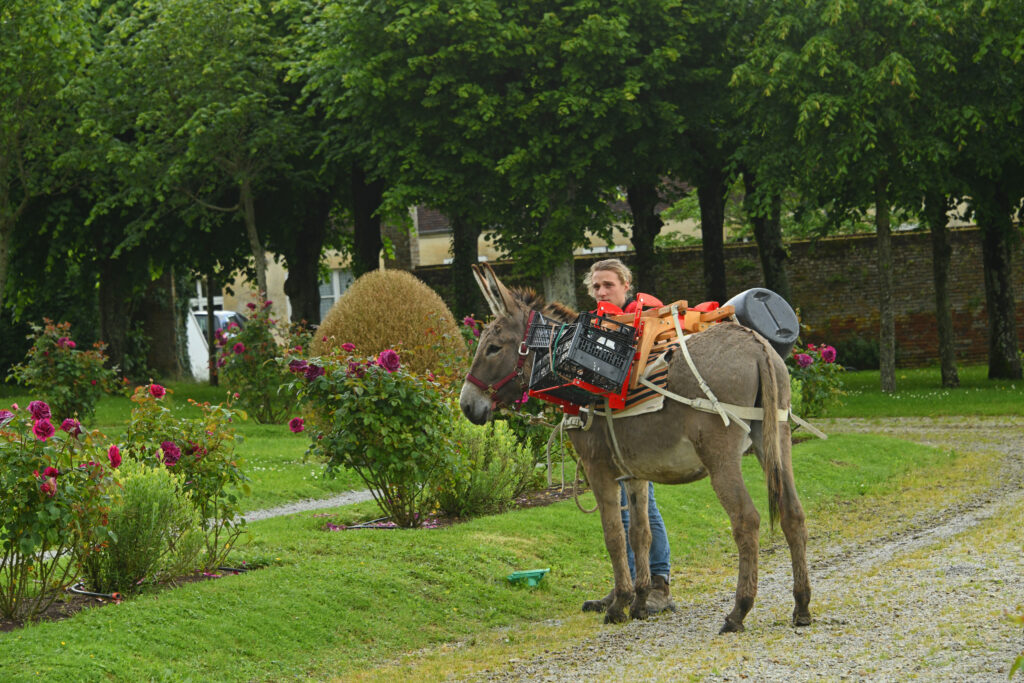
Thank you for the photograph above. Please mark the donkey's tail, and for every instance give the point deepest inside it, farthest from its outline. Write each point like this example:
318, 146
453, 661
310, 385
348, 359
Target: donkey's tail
772, 459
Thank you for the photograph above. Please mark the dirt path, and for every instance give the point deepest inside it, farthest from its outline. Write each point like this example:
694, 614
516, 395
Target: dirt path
924, 602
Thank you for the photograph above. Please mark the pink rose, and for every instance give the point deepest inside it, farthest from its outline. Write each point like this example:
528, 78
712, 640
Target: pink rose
71, 426
238, 348
157, 391
348, 346
388, 359
43, 429
39, 410
296, 424
172, 454
51, 472
114, 456
828, 354
49, 487
803, 360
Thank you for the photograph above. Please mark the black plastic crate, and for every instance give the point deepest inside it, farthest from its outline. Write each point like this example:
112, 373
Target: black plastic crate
599, 352
542, 331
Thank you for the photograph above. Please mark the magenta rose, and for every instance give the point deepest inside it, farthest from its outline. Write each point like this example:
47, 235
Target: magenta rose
298, 366
238, 348
355, 369
828, 354
388, 359
71, 426
314, 371
5, 417
296, 424
49, 487
51, 472
803, 360
114, 456
172, 454
348, 346
43, 429
251, 306
39, 410
157, 391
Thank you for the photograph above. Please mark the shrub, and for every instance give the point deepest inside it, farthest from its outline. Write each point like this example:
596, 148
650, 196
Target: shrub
376, 417
201, 451
249, 367
69, 379
154, 525
53, 500
859, 353
490, 467
393, 309
816, 378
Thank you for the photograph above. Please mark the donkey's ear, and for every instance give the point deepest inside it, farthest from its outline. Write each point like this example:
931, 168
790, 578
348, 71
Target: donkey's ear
491, 296
500, 292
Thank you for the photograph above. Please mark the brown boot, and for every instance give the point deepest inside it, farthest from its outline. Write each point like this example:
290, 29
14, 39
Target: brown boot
659, 599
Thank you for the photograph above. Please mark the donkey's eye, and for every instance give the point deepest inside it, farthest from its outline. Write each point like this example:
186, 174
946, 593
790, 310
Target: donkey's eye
493, 349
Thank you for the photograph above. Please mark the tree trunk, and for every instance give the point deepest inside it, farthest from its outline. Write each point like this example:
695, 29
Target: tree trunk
259, 254
936, 205
160, 325
993, 212
115, 303
643, 202
366, 200
887, 323
465, 252
302, 286
711, 192
560, 282
6, 232
768, 235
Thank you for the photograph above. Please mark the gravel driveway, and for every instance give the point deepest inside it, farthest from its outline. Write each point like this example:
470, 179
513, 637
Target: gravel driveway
925, 602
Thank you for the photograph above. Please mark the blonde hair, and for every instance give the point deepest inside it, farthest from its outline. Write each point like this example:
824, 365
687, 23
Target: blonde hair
614, 265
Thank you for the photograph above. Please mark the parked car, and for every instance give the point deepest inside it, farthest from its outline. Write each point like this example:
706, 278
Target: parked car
221, 319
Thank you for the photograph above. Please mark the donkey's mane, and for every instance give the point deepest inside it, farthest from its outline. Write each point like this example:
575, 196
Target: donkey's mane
534, 301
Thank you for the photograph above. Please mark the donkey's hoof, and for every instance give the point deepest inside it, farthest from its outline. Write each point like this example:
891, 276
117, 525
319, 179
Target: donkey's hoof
639, 613
730, 627
615, 617
801, 619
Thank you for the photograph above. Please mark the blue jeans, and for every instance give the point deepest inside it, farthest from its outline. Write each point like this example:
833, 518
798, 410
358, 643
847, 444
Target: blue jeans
660, 555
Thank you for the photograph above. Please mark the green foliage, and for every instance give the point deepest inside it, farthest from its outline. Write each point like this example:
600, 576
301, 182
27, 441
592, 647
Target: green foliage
816, 377
377, 417
248, 363
394, 309
53, 500
489, 468
859, 353
154, 527
69, 379
201, 451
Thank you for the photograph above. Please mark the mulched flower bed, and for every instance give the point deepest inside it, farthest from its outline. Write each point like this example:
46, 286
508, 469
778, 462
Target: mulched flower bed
69, 603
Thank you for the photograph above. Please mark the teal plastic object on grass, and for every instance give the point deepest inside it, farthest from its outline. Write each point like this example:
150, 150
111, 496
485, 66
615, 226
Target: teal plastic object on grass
530, 576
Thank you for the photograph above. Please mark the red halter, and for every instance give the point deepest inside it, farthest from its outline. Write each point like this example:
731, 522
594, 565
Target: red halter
517, 371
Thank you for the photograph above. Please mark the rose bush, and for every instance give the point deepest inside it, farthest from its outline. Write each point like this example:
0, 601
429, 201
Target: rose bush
816, 379
374, 416
201, 451
69, 379
248, 363
54, 499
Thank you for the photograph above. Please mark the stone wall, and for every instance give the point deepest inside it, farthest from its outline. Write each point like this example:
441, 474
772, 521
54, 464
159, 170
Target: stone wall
834, 288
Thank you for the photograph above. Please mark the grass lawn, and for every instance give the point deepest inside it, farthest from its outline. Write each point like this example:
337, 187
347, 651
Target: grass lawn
351, 604
919, 392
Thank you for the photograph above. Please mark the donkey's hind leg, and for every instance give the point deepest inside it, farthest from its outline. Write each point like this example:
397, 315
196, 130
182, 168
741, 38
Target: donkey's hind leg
794, 526
727, 481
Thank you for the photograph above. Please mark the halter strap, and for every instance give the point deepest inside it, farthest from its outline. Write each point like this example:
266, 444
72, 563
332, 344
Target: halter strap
517, 371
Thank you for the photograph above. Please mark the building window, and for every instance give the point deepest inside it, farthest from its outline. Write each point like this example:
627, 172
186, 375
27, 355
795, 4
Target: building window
332, 288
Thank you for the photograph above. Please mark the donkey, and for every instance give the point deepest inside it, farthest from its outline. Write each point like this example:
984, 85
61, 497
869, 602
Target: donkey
675, 445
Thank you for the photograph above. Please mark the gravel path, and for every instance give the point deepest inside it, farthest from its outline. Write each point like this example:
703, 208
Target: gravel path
925, 602
308, 505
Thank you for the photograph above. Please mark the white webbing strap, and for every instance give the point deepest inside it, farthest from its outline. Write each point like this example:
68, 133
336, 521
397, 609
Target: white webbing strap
693, 368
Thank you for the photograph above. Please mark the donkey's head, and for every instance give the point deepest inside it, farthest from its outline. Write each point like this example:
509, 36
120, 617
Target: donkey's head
498, 372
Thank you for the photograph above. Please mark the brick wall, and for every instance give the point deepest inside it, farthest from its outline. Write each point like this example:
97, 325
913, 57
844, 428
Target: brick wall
834, 287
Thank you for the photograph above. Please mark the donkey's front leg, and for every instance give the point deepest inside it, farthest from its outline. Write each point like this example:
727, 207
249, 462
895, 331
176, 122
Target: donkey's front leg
640, 542
606, 491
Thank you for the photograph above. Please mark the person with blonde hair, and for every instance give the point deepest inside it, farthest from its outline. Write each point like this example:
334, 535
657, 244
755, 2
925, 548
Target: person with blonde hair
611, 281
